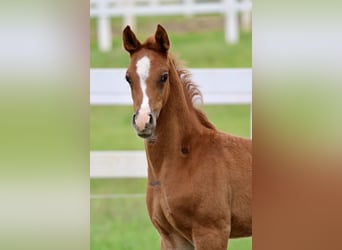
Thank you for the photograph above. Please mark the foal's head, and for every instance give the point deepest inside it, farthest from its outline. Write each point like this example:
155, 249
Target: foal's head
148, 77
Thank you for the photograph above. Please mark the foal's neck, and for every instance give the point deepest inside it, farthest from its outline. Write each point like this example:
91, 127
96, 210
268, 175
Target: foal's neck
177, 121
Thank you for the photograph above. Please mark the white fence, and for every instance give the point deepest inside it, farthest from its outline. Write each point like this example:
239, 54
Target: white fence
118, 164
128, 9
108, 87
218, 86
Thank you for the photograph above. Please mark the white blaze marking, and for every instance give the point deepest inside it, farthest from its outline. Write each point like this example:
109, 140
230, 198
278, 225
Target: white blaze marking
143, 70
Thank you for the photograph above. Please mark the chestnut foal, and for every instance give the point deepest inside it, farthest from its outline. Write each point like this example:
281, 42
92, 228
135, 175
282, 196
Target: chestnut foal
199, 190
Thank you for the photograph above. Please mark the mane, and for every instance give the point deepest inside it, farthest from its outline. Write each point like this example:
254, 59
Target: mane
192, 93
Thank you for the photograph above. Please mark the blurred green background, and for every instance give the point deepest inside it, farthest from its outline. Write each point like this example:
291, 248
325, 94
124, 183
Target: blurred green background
123, 223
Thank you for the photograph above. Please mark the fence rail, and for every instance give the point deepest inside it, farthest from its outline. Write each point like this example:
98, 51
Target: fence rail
118, 164
104, 9
218, 86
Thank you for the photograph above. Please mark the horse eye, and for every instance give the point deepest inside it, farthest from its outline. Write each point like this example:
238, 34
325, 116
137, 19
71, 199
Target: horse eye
164, 77
128, 79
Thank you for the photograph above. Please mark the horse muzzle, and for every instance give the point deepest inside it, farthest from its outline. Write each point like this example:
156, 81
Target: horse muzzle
144, 123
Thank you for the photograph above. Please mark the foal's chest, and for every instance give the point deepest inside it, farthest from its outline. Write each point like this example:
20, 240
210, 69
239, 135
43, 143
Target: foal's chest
169, 209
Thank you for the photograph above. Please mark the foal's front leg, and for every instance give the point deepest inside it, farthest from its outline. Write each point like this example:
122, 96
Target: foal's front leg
211, 238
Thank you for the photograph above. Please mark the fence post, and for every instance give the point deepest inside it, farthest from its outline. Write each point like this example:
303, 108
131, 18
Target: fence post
129, 17
104, 31
246, 17
154, 2
231, 25
188, 8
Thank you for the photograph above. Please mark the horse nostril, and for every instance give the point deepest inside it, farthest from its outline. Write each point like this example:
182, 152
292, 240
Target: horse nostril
134, 115
151, 119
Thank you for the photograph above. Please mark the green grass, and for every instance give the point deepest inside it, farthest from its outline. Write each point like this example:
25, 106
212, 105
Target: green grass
196, 46
124, 223
210, 50
121, 224
196, 49
111, 129
118, 186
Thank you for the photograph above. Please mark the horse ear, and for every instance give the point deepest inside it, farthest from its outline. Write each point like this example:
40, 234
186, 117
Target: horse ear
162, 38
130, 41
